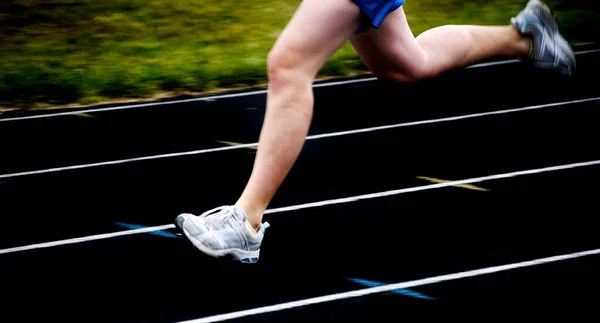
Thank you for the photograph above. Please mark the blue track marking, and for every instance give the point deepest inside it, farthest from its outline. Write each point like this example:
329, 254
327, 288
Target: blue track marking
405, 292
161, 233
364, 282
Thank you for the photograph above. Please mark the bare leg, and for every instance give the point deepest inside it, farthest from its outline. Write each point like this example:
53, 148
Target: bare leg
315, 32
393, 52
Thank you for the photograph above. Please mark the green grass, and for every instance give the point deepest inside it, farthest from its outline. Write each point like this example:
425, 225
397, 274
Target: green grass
62, 52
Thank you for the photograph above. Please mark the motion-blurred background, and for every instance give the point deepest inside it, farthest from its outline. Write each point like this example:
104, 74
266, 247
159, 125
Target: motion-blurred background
81, 52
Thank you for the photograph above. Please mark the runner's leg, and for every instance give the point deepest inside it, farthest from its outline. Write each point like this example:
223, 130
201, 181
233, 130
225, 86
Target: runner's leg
392, 52
315, 32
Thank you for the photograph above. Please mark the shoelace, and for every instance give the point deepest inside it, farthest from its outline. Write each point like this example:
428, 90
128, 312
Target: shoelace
218, 216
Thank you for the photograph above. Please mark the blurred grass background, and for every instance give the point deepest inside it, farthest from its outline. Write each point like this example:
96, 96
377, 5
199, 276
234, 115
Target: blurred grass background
61, 52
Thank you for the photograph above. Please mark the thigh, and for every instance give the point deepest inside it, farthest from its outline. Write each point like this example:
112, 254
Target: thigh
391, 48
317, 29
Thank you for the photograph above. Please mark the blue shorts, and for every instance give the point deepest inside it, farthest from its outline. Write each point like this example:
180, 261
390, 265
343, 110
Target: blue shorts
375, 11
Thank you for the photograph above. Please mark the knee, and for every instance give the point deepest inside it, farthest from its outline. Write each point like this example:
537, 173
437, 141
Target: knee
284, 67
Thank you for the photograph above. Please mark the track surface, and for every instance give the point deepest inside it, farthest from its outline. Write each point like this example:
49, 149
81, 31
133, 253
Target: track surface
312, 251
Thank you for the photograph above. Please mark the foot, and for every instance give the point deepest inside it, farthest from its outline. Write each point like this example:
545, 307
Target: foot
223, 231
549, 48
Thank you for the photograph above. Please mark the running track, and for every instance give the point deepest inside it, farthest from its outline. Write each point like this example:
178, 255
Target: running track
367, 204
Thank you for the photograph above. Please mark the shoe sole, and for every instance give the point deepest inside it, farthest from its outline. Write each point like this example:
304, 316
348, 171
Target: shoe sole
243, 256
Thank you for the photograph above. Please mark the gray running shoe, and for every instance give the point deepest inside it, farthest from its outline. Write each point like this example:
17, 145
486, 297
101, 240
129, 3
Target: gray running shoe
549, 50
223, 231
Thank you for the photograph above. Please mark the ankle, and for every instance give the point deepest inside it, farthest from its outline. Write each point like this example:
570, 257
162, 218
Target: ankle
253, 214
255, 227
526, 46
523, 45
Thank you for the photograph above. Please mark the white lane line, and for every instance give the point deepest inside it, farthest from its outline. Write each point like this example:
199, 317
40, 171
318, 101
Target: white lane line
315, 204
312, 137
487, 64
153, 104
390, 287
87, 239
432, 186
462, 117
494, 63
235, 95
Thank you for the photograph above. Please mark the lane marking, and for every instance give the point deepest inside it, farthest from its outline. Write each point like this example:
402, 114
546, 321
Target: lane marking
312, 137
87, 239
314, 204
235, 95
231, 143
380, 289
403, 291
160, 233
467, 186
432, 186
512, 61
